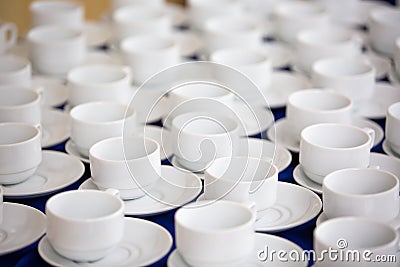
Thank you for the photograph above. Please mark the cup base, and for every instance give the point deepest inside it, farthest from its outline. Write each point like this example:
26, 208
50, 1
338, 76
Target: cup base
16, 178
395, 147
314, 177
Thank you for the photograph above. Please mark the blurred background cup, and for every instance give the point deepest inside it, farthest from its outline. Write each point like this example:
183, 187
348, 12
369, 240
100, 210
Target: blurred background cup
8, 35
84, 225
15, 70
67, 12
315, 44
95, 121
313, 106
231, 32
200, 138
242, 179
292, 17
217, 234
396, 57
352, 234
352, 77
130, 164
1, 204
99, 82
253, 62
23, 142
115, 4
135, 20
55, 49
149, 54
393, 127
327, 147
19, 104
384, 29
368, 190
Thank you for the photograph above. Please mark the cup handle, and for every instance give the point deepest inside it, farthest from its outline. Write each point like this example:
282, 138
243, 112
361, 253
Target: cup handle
10, 28
371, 134
252, 206
113, 192
128, 72
39, 90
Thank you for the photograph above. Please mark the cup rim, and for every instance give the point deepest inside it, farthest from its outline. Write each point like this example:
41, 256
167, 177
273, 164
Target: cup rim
36, 6
33, 38
126, 46
232, 51
26, 125
281, 10
325, 186
72, 76
375, 15
303, 37
24, 61
316, 68
35, 101
119, 15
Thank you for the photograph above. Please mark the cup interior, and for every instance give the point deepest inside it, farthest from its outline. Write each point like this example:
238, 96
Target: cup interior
100, 74
101, 112
12, 97
330, 36
200, 91
10, 64
335, 136
201, 124
129, 147
147, 43
299, 9
340, 67
231, 25
360, 182
137, 13
319, 100
83, 205
359, 233
217, 216
239, 57
15, 133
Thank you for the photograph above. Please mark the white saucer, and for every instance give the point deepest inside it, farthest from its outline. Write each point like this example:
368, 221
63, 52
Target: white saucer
388, 150
72, 150
55, 127
177, 165
387, 163
260, 148
280, 54
96, 33
21, 226
144, 243
375, 107
56, 171
173, 190
294, 206
283, 83
55, 92
302, 179
274, 243
279, 133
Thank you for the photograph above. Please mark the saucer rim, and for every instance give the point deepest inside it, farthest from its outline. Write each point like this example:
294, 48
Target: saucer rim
130, 220
48, 191
62, 119
388, 150
300, 182
36, 236
70, 151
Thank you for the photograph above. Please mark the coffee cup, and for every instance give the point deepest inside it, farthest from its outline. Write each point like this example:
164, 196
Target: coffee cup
396, 57
393, 127
352, 77
373, 193
242, 179
15, 70
95, 121
214, 234
23, 142
8, 35
55, 49
115, 4
130, 164
99, 82
313, 106
84, 225
328, 147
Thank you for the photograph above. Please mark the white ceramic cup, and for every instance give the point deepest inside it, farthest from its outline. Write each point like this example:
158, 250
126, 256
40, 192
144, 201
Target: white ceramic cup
84, 225
66, 12
219, 234
384, 29
242, 179
312, 106
396, 57
1, 204
253, 62
99, 82
231, 32
135, 20
15, 70
292, 17
201, 10
373, 193
130, 164
95, 121
55, 49
199, 138
149, 54
315, 44
115, 4
393, 127
327, 147
18, 104
354, 236
8, 35
23, 142
352, 77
